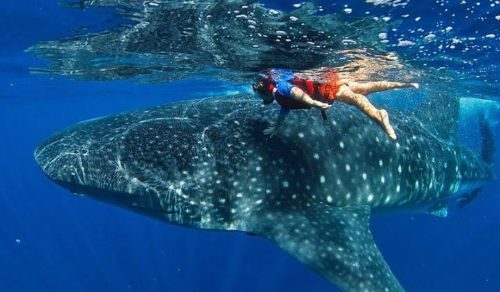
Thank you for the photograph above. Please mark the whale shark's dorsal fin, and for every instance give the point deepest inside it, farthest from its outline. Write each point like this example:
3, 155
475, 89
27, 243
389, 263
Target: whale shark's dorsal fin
440, 114
334, 242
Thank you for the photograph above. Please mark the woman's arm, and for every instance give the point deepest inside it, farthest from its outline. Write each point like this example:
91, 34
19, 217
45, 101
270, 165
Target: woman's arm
275, 128
299, 95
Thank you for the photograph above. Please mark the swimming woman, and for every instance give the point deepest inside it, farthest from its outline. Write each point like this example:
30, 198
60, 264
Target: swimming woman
303, 90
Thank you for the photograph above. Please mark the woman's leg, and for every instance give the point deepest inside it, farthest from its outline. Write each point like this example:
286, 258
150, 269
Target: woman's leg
370, 87
360, 101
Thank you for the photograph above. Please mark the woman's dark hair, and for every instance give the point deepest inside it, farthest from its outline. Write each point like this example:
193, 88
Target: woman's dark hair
261, 86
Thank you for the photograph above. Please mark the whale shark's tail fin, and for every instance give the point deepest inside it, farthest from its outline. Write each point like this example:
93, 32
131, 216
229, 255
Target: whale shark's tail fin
336, 243
488, 147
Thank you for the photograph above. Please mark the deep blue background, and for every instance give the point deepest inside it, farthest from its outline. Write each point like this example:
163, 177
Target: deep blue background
69, 243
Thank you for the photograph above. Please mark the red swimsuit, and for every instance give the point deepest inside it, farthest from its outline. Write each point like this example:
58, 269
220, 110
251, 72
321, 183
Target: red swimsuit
322, 91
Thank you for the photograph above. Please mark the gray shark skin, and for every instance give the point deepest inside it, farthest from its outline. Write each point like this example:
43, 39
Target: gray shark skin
311, 189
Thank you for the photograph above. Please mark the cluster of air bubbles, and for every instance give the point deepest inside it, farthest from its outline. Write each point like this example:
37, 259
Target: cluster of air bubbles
458, 36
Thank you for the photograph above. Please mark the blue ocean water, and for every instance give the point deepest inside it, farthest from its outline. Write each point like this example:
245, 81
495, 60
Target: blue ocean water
51, 240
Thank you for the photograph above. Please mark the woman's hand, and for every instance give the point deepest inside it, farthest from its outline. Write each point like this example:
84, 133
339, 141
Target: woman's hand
271, 131
300, 95
321, 105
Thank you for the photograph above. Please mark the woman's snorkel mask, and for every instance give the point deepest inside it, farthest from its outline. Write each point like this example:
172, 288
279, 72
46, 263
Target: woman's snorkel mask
264, 87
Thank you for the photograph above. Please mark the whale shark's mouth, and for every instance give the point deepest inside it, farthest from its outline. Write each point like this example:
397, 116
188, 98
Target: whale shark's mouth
66, 169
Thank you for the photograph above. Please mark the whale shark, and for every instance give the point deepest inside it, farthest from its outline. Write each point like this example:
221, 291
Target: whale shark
311, 189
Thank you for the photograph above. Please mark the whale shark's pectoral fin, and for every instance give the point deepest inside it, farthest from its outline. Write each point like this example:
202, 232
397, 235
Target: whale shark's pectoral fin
336, 243
465, 200
439, 209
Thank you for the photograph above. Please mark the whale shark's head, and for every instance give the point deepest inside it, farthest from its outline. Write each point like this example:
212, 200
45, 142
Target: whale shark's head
137, 165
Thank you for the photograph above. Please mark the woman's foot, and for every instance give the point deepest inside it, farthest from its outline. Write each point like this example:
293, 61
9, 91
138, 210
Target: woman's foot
384, 118
415, 85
